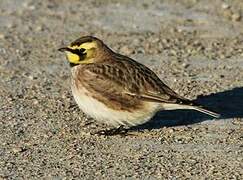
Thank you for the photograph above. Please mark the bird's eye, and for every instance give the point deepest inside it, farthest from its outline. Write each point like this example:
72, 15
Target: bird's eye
81, 50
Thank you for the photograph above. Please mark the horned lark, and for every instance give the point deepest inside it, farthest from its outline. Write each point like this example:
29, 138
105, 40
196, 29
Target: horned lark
117, 90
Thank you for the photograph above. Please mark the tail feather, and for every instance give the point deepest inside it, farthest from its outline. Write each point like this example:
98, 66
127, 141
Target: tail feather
192, 107
205, 111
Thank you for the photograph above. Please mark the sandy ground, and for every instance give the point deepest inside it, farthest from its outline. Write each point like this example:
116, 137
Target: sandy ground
195, 46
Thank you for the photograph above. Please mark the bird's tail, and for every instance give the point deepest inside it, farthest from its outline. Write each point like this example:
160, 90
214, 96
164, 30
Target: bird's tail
192, 107
205, 111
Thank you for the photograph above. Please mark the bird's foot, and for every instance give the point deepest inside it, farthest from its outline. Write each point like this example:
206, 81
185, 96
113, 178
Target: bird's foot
112, 132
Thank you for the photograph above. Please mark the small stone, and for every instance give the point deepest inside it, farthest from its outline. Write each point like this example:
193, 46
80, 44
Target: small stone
236, 17
2, 36
222, 56
32, 7
16, 149
30, 77
136, 42
165, 41
10, 25
170, 130
29, 6
126, 50
140, 50
228, 13
180, 30
39, 28
35, 102
185, 65
225, 6
82, 133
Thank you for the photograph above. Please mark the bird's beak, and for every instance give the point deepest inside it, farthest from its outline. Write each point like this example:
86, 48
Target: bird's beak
63, 49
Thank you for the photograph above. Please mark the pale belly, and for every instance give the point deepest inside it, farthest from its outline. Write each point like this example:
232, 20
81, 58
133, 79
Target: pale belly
106, 115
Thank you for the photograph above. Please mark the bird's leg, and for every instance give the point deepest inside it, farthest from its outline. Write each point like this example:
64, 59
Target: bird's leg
121, 130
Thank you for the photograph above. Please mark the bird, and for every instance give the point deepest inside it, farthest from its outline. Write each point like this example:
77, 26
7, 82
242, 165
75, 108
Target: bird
117, 90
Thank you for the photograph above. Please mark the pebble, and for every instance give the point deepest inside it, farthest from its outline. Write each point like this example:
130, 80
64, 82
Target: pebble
10, 25
2, 36
136, 42
30, 77
29, 6
35, 102
39, 28
170, 130
126, 50
236, 17
16, 149
165, 41
225, 6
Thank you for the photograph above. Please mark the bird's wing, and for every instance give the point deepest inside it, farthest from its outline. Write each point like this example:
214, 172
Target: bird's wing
107, 88
162, 97
99, 79
113, 81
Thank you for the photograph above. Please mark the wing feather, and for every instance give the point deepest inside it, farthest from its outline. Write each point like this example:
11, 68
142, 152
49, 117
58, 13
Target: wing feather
104, 79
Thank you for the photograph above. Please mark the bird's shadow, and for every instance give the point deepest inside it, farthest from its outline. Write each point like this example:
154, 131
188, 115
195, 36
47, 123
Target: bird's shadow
229, 104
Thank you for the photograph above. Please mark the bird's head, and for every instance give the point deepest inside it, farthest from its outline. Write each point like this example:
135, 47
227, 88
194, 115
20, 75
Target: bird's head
85, 50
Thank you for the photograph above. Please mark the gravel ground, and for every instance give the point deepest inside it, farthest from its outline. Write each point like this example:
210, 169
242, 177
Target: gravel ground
195, 46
